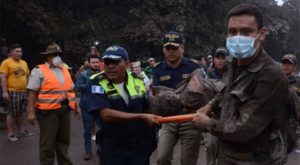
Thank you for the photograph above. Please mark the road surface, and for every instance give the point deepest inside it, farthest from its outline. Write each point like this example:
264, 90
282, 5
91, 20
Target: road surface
25, 151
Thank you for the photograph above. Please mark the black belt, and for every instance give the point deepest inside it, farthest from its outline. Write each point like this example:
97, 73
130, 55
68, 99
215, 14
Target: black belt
122, 142
64, 102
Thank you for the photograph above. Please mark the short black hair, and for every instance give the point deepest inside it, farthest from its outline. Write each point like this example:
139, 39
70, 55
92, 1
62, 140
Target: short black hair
14, 46
247, 9
90, 56
199, 57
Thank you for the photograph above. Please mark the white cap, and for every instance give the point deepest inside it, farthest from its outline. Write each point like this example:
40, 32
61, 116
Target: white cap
136, 64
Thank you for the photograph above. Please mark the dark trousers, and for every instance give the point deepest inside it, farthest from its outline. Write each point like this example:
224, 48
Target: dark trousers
125, 154
88, 121
54, 136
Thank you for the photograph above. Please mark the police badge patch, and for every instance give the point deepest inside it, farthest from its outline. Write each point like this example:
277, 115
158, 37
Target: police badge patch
137, 89
110, 86
97, 89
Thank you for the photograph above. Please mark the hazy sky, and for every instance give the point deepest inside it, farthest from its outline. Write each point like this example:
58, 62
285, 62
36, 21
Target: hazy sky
279, 2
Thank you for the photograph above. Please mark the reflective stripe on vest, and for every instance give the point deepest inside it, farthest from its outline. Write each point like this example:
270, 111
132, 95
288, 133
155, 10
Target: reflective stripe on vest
51, 93
135, 87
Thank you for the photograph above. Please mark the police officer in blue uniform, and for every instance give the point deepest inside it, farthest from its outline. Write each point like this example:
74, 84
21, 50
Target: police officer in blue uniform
175, 67
119, 98
170, 73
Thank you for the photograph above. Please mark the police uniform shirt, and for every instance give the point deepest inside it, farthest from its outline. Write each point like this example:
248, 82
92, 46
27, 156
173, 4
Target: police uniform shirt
99, 100
164, 75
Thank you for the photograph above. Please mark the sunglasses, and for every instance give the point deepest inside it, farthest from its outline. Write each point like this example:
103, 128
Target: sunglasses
112, 61
170, 47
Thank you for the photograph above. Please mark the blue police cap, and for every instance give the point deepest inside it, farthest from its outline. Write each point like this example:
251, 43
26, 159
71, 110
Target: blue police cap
115, 52
172, 38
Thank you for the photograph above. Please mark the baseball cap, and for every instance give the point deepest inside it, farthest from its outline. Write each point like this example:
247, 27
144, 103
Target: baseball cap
136, 64
115, 52
173, 38
151, 59
222, 51
290, 57
209, 56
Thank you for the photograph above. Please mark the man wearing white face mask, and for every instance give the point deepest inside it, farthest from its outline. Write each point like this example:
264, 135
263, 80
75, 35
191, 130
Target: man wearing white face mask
251, 109
50, 99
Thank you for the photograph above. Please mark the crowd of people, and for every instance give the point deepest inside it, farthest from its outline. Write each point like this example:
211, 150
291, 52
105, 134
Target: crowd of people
254, 119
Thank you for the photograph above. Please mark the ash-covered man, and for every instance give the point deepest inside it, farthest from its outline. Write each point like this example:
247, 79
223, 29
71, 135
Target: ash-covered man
252, 119
119, 98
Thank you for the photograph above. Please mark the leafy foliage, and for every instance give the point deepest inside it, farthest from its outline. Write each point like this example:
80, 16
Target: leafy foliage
137, 25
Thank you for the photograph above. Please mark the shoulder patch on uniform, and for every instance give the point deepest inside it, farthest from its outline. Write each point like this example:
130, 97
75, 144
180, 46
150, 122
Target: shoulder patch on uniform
97, 89
193, 60
98, 76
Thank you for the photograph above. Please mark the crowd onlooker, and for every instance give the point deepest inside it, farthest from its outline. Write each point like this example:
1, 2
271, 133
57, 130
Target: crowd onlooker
149, 69
87, 119
14, 75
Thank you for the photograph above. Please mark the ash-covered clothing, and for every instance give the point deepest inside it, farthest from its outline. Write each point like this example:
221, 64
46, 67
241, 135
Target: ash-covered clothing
253, 115
215, 74
170, 133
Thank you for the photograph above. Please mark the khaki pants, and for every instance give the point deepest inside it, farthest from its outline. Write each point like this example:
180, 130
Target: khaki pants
54, 136
189, 137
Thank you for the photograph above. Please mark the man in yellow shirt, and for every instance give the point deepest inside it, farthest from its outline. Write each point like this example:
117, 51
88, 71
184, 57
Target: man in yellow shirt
14, 73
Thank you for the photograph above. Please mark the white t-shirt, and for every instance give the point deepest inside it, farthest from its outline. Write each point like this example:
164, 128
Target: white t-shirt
123, 93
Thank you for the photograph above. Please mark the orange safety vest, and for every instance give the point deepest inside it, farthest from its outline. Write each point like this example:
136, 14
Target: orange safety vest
52, 91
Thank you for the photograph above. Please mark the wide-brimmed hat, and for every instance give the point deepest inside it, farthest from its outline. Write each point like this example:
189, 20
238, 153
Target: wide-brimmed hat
52, 48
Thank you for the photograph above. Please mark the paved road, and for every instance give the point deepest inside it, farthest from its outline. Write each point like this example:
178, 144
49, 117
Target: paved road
25, 151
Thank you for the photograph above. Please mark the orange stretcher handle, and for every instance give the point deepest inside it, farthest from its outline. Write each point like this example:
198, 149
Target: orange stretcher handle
177, 118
